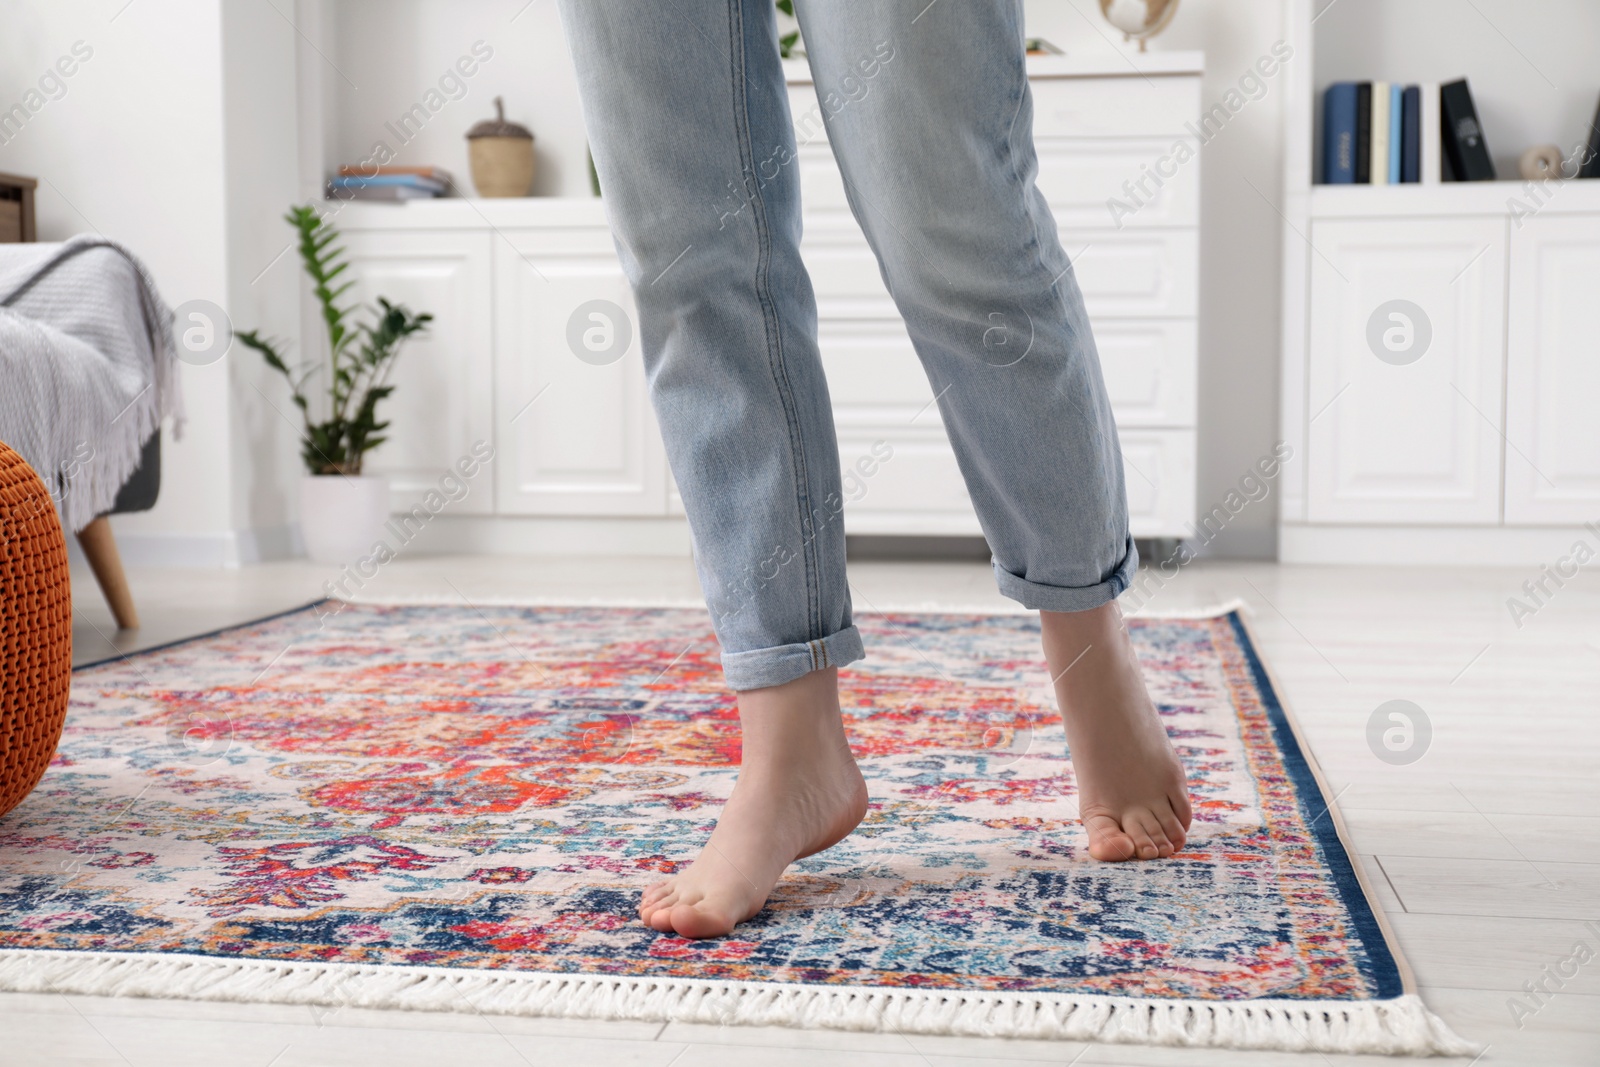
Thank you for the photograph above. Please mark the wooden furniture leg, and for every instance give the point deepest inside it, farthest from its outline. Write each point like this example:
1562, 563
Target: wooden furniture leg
101, 549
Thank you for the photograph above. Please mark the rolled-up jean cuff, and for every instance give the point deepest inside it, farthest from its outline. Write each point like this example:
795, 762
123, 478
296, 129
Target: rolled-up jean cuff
762, 667
1066, 597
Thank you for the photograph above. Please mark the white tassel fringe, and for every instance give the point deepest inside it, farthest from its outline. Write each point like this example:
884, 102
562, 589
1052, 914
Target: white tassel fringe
1399, 1026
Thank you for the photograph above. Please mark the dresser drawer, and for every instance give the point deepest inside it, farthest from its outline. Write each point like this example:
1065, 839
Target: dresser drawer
1149, 369
1079, 176
1159, 469
919, 489
1143, 274
1147, 274
1134, 106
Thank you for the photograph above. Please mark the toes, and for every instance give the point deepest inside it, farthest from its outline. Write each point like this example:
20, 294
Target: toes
1180, 806
1148, 840
1107, 841
1173, 829
696, 921
655, 908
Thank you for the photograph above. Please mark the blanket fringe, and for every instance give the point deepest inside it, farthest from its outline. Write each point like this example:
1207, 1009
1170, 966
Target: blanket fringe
1402, 1025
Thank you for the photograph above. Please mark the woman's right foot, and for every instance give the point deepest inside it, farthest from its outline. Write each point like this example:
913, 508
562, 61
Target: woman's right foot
799, 791
1132, 792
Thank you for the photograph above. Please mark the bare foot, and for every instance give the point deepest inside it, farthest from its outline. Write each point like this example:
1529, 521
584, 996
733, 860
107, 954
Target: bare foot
799, 791
1132, 793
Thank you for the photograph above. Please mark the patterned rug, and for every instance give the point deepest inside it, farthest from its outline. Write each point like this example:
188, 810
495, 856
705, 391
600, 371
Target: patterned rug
457, 807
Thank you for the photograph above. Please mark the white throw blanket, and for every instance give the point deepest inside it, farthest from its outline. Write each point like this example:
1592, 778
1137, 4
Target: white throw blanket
87, 367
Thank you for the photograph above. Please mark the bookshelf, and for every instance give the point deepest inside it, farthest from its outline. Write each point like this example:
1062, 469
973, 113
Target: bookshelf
1476, 444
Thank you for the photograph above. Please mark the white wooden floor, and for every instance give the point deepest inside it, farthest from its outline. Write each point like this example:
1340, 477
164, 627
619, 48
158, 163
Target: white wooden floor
1486, 851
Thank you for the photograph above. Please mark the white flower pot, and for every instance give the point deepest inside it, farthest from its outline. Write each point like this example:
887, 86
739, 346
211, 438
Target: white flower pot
341, 518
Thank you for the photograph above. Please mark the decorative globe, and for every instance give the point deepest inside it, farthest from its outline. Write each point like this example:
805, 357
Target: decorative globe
1139, 20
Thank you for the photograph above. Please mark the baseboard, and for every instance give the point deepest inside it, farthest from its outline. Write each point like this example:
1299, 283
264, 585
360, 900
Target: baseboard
529, 535
1422, 546
1255, 544
226, 548
446, 534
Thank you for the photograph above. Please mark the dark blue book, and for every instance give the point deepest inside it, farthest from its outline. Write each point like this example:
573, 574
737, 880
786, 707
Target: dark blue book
1363, 133
1411, 134
1339, 134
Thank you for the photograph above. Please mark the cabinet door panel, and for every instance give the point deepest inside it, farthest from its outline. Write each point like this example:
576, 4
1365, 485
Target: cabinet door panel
1406, 354
1553, 373
579, 437
443, 398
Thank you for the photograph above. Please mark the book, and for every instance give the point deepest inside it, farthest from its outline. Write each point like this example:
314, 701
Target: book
1431, 148
1380, 134
378, 192
1339, 133
1411, 138
1396, 130
1463, 135
1590, 167
362, 170
1363, 132
409, 181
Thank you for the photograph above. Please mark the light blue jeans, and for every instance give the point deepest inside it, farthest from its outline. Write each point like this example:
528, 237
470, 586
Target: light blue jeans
927, 109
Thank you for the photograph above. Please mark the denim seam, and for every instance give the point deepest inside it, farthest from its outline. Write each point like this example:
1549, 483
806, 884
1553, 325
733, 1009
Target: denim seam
763, 288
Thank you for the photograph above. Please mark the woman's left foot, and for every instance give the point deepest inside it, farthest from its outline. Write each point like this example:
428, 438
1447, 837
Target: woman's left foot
1132, 792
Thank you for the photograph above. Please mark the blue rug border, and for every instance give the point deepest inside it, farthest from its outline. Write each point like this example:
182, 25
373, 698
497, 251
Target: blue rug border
1382, 961
1381, 957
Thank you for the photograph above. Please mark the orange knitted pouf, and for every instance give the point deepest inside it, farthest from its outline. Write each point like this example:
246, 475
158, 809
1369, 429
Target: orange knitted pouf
35, 629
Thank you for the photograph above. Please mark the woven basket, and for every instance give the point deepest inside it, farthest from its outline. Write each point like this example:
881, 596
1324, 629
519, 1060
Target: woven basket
35, 629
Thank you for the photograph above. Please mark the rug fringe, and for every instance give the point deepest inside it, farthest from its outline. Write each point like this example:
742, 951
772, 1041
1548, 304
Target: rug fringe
400, 600
1403, 1025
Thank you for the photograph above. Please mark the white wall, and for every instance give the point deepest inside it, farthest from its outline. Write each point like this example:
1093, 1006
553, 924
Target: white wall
260, 138
176, 137
133, 150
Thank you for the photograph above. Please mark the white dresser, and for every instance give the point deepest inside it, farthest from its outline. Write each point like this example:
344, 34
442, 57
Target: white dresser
1095, 129
575, 441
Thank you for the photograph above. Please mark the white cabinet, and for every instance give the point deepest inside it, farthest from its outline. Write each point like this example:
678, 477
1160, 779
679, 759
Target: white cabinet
1405, 370
443, 399
1095, 131
577, 436
1485, 450
1553, 373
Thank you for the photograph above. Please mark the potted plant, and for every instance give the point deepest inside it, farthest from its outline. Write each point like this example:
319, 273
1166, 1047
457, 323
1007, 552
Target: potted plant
342, 510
